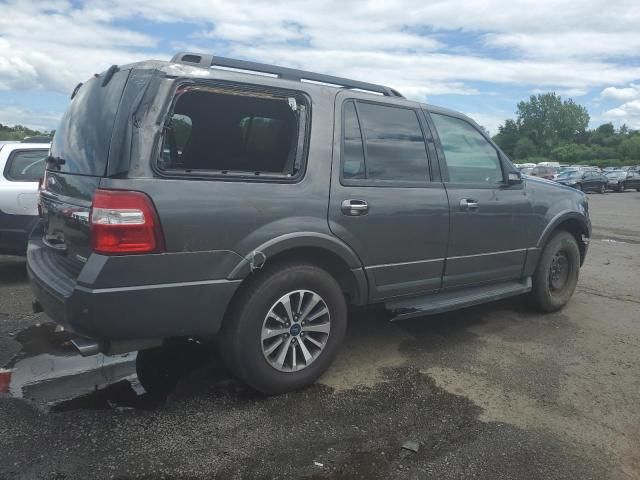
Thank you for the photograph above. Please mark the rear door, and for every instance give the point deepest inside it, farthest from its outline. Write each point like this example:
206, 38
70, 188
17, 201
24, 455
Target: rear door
386, 201
591, 180
77, 163
633, 180
487, 233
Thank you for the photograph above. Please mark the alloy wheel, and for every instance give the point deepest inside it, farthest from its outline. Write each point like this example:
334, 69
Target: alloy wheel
295, 330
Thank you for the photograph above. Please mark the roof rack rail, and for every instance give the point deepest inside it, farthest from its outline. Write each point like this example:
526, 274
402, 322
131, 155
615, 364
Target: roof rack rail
207, 61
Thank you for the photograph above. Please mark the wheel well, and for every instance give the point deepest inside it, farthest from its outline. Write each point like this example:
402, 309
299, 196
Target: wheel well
578, 230
321, 258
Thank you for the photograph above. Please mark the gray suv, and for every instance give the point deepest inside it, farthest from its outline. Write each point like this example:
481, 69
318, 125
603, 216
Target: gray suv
252, 204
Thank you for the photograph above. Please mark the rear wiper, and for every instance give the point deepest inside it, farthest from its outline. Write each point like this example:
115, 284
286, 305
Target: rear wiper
55, 162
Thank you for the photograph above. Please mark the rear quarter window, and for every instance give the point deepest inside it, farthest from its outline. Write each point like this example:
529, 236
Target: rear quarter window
234, 132
25, 165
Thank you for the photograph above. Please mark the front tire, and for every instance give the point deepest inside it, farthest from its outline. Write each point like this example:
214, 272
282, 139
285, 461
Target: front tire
285, 328
621, 188
603, 188
556, 275
579, 186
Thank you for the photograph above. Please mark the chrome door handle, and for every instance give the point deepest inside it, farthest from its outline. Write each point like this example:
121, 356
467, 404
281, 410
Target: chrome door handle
469, 204
354, 208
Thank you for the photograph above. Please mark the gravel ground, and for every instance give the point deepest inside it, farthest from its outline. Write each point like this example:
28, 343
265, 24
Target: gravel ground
489, 392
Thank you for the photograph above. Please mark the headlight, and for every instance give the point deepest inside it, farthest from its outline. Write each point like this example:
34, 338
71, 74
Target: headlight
571, 182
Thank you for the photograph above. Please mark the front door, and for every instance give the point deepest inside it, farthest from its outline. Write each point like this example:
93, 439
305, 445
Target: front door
484, 242
385, 201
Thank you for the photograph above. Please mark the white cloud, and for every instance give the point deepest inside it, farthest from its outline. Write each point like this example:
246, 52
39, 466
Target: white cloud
623, 94
489, 121
564, 92
553, 45
570, 46
52, 46
43, 121
627, 113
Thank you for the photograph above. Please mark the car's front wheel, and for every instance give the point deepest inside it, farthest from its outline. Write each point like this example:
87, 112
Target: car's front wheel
621, 188
285, 328
556, 275
603, 188
579, 186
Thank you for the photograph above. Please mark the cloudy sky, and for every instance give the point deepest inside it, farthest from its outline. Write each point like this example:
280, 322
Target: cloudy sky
477, 56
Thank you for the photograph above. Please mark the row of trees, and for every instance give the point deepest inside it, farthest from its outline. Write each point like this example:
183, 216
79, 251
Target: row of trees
549, 128
19, 132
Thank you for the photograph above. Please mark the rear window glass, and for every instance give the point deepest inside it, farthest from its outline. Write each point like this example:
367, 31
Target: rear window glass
83, 136
25, 165
221, 131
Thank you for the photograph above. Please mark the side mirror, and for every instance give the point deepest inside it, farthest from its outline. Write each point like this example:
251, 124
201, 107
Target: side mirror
514, 178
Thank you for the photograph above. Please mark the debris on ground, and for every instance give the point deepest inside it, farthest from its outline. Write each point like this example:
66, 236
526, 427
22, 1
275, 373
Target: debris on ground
411, 445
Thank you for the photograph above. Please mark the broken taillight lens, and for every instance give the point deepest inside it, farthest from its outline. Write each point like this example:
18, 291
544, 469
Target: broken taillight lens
124, 222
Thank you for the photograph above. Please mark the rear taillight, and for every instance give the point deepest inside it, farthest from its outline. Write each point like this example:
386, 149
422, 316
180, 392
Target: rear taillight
5, 380
124, 222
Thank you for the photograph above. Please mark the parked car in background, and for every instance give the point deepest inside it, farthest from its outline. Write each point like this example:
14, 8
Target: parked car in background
304, 200
585, 180
620, 180
21, 167
545, 172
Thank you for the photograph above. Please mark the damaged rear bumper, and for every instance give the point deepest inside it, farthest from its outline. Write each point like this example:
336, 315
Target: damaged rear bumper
140, 311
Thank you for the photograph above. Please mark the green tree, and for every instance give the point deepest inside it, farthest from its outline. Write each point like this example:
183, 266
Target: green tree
549, 121
524, 149
507, 137
572, 153
17, 132
629, 148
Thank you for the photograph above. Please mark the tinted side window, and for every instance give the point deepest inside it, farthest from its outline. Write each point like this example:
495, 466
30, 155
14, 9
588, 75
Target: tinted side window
470, 158
395, 148
353, 150
25, 165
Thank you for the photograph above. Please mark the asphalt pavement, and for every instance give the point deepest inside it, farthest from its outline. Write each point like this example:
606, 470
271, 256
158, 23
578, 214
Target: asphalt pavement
494, 392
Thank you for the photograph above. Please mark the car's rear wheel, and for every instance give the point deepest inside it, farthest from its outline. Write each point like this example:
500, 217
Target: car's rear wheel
285, 328
603, 188
556, 275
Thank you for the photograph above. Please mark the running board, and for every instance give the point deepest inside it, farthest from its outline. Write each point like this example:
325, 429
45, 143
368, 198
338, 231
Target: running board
454, 299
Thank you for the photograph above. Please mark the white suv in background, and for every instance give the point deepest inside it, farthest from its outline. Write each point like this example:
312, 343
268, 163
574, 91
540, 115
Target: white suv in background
21, 166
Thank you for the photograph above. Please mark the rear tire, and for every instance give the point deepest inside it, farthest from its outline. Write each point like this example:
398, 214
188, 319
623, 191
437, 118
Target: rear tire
556, 275
293, 359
